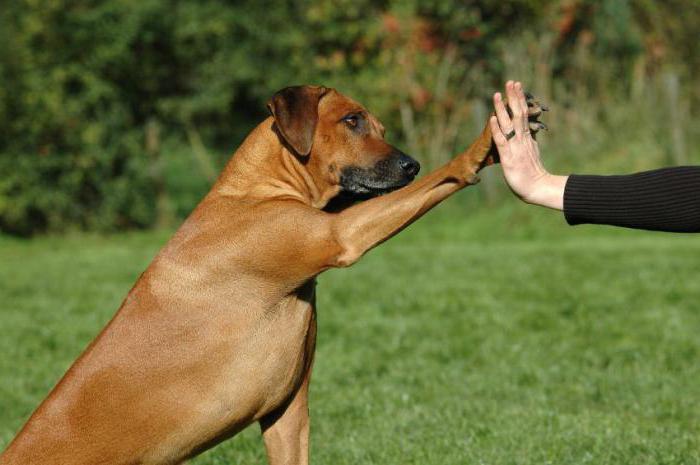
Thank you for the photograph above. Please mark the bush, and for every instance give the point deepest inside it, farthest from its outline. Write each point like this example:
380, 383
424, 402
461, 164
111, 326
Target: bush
92, 93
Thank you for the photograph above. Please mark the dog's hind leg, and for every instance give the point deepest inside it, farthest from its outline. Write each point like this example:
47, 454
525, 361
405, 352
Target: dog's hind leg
286, 430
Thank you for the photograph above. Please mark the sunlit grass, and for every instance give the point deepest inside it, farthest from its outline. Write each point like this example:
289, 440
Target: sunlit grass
499, 338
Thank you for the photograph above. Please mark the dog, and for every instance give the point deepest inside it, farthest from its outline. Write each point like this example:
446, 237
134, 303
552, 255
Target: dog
219, 331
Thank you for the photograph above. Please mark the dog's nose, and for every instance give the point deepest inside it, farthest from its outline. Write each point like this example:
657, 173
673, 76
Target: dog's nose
409, 165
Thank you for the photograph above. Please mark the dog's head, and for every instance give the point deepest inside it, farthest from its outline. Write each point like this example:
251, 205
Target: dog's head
339, 141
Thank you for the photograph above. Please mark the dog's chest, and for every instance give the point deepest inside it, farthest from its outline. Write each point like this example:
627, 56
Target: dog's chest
276, 353
289, 345
256, 376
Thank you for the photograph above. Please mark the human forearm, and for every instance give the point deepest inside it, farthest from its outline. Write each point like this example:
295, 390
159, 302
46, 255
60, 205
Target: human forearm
667, 199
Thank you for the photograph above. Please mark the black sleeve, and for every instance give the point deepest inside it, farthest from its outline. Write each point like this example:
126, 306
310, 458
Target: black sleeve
662, 200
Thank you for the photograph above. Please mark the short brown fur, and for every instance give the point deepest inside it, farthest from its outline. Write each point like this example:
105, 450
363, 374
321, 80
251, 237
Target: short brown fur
219, 331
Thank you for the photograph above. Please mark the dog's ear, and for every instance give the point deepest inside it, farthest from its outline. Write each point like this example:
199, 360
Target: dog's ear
295, 110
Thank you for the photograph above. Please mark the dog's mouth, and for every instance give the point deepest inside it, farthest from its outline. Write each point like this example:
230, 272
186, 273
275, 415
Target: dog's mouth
385, 189
385, 176
363, 185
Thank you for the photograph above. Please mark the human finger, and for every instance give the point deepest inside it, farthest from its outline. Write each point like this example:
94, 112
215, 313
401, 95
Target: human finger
522, 105
499, 138
504, 121
519, 117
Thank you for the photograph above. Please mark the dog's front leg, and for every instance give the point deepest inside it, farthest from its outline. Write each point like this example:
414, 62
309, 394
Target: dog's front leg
363, 226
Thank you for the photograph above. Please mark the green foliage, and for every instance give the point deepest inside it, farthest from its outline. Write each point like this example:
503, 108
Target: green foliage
82, 81
502, 338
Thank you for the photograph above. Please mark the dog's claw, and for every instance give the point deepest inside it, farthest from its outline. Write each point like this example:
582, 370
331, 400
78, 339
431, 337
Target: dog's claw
537, 126
534, 105
534, 110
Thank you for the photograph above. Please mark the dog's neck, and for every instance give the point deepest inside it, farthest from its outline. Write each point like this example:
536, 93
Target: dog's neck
263, 167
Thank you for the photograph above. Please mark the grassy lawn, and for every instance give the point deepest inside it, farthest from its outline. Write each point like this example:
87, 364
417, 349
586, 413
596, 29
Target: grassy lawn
503, 337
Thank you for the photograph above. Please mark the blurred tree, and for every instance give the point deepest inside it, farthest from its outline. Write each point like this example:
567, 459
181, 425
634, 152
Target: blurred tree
83, 84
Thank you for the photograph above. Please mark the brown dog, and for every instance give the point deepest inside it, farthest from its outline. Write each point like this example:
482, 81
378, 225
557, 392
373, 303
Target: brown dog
219, 331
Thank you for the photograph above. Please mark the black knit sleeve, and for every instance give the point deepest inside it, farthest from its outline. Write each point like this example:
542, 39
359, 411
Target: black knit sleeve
667, 199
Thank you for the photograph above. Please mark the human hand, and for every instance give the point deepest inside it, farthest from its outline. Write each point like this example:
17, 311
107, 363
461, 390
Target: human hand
519, 153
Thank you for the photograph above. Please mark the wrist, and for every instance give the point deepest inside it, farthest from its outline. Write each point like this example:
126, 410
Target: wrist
548, 192
465, 173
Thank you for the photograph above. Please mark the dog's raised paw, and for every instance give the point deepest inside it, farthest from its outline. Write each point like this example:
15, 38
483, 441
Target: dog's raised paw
535, 108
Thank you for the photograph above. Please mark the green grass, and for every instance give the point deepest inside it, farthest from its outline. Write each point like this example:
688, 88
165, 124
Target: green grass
503, 337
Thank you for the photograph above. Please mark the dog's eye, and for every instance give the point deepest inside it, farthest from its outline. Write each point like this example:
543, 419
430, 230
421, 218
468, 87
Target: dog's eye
351, 120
